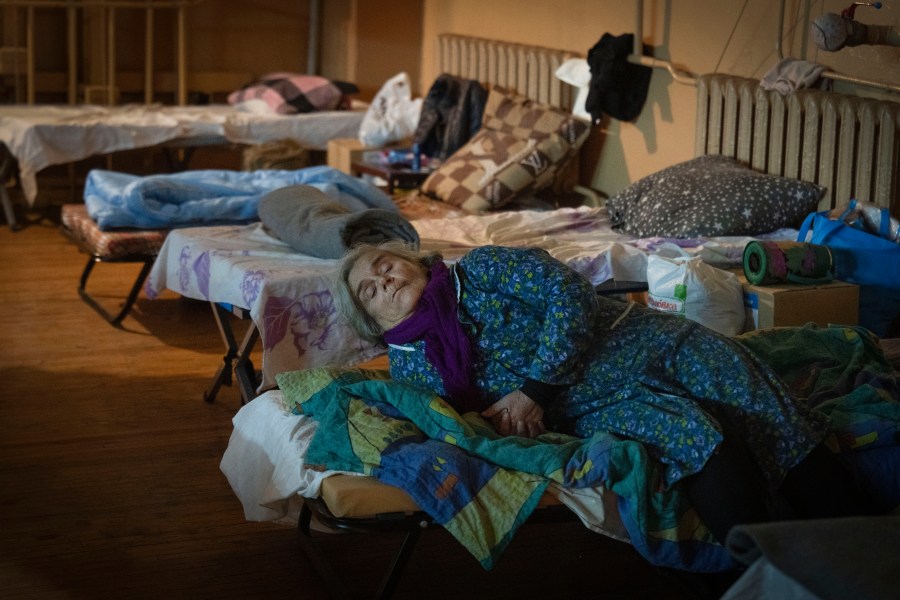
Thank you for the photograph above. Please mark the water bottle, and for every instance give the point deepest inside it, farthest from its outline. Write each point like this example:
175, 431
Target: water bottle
416, 158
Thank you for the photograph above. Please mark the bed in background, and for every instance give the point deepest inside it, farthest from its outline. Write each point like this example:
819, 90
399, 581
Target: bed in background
288, 295
125, 218
38, 136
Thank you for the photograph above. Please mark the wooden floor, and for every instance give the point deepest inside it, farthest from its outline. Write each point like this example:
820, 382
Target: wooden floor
109, 468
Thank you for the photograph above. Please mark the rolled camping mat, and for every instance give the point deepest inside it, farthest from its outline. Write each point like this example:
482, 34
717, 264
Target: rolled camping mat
791, 262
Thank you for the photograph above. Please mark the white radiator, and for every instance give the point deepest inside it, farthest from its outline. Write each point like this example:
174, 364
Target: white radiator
849, 145
525, 69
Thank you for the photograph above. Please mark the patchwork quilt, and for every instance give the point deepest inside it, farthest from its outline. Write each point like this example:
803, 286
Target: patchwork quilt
479, 486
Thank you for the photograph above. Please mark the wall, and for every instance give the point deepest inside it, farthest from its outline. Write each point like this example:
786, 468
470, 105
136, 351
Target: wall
228, 42
244, 39
369, 41
732, 36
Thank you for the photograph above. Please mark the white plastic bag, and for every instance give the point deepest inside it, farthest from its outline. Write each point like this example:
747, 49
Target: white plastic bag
576, 72
697, 291
393, 115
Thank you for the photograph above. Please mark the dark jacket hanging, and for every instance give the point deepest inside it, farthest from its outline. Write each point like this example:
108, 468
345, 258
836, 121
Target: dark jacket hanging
618, 88
451, 114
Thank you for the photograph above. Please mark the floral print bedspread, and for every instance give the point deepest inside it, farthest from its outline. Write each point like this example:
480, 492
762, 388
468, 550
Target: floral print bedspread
289, 297
288, 294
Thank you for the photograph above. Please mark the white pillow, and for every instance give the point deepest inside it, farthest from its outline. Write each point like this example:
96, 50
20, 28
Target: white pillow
264, 460
393, 115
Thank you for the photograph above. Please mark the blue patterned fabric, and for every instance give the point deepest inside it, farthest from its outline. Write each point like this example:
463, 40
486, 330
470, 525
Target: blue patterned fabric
667, 382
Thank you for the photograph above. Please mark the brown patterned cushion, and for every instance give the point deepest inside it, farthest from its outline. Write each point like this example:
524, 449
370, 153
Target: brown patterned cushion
521, 146
109, 245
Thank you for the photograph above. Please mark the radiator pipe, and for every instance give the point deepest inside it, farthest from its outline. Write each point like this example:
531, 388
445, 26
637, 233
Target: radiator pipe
828, 73
637, 54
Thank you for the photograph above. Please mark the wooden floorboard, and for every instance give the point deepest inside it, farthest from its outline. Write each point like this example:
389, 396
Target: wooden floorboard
109, 467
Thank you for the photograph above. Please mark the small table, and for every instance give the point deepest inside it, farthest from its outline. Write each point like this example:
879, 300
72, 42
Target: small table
397, 176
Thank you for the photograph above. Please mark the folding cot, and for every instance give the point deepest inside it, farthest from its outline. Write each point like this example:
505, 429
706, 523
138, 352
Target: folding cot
120, 246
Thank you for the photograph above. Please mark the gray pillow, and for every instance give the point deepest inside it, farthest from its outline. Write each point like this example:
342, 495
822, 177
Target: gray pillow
711, 196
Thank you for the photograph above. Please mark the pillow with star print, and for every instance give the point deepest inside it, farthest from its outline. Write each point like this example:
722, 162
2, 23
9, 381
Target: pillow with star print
711, 196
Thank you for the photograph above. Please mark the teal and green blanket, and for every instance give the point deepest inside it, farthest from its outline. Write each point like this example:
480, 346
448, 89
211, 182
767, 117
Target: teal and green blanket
842, 372
481, 487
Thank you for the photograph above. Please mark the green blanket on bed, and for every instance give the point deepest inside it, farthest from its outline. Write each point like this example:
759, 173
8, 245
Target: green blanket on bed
840, 371
481, 487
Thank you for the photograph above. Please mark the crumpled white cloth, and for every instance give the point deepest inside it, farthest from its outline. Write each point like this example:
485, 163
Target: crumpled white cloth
265, 459
42, 135
791, 74
576, 72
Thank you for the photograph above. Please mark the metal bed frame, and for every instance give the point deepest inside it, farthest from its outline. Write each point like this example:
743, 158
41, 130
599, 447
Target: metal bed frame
236, 364
412, 524
88, 237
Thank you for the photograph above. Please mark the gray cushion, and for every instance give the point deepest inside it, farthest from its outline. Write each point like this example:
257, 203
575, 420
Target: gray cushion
314, 223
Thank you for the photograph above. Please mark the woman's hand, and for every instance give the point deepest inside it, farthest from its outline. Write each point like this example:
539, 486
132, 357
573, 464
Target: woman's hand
516, 414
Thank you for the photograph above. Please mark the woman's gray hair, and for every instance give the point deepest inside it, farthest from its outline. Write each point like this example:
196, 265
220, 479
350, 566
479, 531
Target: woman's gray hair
351, 309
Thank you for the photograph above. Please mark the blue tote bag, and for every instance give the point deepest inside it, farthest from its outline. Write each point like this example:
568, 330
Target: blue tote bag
859, 257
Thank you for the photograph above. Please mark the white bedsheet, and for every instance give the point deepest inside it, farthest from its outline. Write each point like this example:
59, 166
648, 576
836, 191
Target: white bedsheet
39, 136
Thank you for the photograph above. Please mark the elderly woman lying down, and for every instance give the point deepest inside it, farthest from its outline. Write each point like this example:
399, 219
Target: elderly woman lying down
524, 340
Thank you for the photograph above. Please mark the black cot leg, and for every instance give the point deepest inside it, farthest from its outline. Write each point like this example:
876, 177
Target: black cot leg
116, 319
243, 366
7, 172
398, 564
316, 556
223, 374
412, 525
237, 356
8, 210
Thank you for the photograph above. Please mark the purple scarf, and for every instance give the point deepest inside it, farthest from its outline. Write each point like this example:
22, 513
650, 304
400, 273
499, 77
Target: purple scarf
446, 345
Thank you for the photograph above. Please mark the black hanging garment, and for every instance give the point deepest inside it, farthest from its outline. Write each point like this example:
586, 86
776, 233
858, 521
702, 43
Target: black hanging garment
618, 88
451, 114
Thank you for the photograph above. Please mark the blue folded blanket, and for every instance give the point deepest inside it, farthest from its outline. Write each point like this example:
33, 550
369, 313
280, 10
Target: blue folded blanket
211, 196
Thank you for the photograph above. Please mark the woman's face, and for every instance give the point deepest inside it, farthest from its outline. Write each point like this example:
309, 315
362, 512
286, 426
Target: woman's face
389, 287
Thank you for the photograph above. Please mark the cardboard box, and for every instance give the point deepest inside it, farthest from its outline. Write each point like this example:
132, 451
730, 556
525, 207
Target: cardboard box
785, 304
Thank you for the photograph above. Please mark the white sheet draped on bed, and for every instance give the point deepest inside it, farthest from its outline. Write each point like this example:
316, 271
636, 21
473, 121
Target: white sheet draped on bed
39, 136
